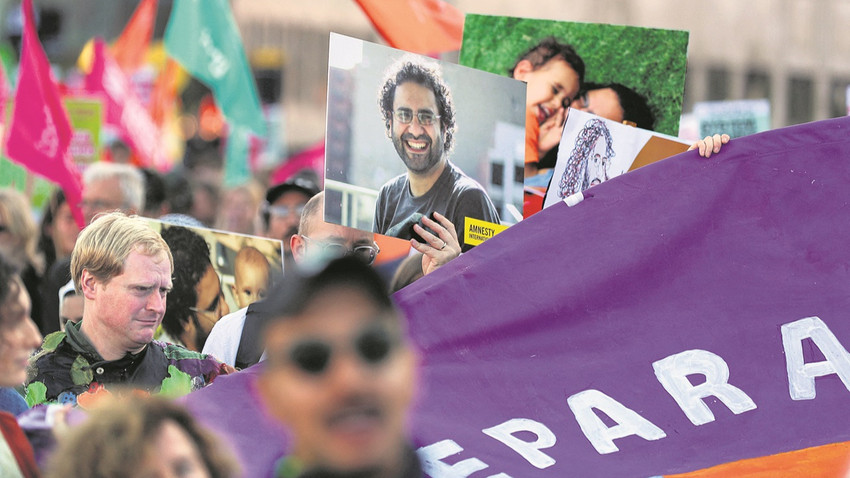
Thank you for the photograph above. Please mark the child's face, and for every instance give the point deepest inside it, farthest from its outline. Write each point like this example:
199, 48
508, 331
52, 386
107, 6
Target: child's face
250, 284
550, 87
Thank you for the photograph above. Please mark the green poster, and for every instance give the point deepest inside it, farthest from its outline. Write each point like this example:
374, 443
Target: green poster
86, 116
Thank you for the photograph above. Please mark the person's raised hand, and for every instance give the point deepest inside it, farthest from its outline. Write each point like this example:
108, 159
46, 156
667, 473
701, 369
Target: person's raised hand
439, 249
710, 144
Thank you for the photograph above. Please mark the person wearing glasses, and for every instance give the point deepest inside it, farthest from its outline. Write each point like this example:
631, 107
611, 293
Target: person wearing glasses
235, 339
418, 112
124, 270
340, 375
282, 210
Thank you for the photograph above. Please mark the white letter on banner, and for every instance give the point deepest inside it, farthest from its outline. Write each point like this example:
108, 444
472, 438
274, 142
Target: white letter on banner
529, 450
673, 373
432, 465
801, 375
600, 435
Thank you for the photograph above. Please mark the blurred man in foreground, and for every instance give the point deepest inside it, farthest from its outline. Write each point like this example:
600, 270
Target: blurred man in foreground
340, 374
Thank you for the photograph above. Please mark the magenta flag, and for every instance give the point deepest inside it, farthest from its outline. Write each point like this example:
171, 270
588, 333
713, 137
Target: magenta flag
311, 158
124, 109
688, 318
40, 133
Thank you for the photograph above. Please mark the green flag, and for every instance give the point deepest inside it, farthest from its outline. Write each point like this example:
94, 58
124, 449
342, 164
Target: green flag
202, 36
236, 157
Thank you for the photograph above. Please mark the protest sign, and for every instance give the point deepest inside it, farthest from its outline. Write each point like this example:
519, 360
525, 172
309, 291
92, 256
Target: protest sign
86, 117
735, 118
365, 143
650, 61
594, 150
224, 250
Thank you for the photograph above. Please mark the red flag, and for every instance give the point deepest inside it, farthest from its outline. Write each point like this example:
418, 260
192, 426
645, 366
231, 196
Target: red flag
124, 109
418, 26
130, 48
40, 132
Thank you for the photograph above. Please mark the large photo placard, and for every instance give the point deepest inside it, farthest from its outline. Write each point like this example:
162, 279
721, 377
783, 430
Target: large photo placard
392, 157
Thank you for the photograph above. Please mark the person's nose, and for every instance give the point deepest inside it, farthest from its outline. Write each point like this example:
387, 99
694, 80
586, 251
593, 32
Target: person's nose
415, 127
33, 336
156, 302
347, 373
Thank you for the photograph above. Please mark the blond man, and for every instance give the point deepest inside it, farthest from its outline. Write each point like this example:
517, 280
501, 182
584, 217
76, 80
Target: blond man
123, 269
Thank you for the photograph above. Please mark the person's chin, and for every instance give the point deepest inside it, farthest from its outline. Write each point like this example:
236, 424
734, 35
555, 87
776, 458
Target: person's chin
145, 333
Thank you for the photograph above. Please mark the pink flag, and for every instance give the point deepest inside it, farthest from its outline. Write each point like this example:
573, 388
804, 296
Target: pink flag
311, 158
40, 133
124, 110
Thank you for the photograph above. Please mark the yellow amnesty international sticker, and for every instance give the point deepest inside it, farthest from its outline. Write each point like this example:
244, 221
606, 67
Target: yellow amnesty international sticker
476, 231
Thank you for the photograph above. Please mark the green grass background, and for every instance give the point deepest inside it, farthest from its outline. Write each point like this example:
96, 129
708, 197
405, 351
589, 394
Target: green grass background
651, 61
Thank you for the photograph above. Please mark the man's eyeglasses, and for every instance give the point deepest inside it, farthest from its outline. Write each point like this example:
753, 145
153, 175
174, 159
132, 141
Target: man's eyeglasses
425, 117
366, 253
211, 313
373, 345
98, 205
285, 211
210, 316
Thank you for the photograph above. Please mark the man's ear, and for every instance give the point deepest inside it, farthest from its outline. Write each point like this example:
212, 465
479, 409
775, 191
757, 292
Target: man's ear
89, 284
522, 69
297, 245
389, 125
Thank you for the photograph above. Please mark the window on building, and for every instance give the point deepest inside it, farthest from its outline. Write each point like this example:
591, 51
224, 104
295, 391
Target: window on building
718, 84
801, 93
757, 85
839, 99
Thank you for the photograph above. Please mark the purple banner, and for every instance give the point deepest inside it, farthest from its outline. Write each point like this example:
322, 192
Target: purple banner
681, 267
688, 314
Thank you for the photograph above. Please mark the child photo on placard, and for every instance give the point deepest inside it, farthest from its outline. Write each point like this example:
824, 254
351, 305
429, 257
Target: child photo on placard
409, 136
215, 273
626, 74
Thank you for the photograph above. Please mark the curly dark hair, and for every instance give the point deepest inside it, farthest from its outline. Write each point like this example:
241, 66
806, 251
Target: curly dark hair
548, 49
118, 438
426, 73
191, 261
575, 177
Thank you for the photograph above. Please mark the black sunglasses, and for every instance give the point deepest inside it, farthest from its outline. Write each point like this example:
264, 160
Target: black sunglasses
372, 346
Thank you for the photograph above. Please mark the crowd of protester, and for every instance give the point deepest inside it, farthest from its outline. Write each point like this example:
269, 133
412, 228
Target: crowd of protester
132, 317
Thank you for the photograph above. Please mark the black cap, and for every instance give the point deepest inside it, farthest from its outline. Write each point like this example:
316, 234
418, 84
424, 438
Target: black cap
301, 184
